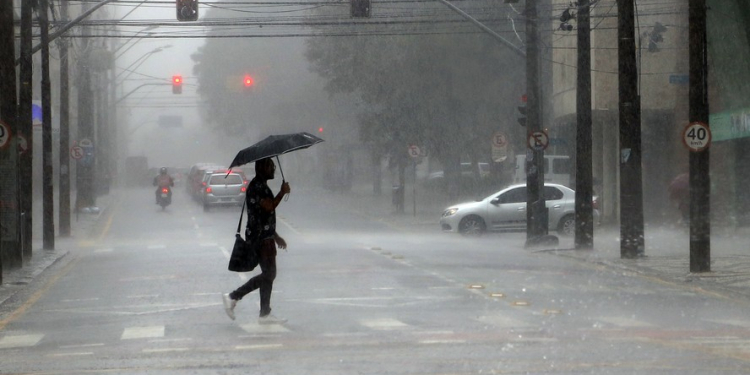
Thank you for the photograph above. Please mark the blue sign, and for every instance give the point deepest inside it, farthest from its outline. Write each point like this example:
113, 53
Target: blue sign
36, 113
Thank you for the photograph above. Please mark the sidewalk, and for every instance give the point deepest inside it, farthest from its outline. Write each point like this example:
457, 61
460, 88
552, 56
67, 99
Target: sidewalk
667, 248
81, 227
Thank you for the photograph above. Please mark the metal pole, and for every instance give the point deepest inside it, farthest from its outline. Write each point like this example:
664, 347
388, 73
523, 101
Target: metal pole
48, 219
26, 129
64, 188
584, 235
536, 210
632, 243
700, 180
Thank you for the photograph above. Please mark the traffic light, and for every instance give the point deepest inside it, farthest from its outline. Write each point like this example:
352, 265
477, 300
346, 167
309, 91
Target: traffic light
248, 81
360, 8
177, 84
187, 10
522, 111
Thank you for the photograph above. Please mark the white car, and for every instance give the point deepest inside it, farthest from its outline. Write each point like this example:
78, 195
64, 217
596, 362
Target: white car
506, 211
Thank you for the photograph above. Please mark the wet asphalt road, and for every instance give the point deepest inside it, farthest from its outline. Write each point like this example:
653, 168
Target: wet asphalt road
362, 296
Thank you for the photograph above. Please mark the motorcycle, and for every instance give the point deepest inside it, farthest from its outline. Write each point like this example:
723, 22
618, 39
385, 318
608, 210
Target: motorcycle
165, 197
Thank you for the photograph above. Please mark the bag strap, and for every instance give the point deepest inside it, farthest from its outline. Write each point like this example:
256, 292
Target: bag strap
239, 225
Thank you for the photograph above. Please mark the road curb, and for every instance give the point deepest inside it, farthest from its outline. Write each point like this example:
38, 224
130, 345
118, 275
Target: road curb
16, 280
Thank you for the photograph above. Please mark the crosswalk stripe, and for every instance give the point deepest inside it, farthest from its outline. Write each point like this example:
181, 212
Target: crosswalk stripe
383, 324
264, 328
625, 322
142, 332
20, 341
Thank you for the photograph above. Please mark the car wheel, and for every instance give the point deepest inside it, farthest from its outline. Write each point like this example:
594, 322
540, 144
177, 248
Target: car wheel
472, 226
567, 226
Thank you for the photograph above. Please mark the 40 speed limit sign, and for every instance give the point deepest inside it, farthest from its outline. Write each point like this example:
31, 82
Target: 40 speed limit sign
696, 136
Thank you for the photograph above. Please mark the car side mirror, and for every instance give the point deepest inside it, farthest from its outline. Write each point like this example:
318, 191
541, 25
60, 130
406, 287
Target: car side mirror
495, 201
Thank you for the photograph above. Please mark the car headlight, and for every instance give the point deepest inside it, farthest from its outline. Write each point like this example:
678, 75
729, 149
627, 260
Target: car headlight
450, 212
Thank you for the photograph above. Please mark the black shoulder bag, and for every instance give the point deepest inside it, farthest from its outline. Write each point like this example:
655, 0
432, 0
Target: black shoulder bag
245, 255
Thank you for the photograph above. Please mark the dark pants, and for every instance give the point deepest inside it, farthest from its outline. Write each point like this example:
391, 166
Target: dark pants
263, 281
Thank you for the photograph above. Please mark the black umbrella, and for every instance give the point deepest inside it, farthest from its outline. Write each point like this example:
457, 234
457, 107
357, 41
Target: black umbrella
274, 145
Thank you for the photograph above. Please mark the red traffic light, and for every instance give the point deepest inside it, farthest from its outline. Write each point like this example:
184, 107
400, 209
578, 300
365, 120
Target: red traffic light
248, 81
320, 129
177, 84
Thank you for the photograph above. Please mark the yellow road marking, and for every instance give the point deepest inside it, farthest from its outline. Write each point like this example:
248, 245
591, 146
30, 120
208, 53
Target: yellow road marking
36, 296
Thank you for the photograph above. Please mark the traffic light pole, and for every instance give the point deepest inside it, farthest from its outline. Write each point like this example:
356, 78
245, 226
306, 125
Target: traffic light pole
700, 180
632, 243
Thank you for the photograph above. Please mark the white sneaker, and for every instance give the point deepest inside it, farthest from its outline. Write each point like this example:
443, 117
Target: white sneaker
270, 319
229, 305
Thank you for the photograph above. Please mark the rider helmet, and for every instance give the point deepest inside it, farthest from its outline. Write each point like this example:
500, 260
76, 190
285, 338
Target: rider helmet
163, 170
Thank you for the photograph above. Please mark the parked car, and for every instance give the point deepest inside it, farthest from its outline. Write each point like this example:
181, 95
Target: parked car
506, 211
222, 189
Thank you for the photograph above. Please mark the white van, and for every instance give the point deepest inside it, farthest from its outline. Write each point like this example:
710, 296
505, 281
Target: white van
557, 169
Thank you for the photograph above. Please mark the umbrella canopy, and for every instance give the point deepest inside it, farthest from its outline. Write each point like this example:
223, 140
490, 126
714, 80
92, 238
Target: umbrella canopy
274, 145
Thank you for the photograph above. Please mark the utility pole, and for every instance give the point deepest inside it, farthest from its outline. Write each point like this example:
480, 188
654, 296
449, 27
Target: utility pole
26, 128
48, 219
84, 171
64, 187
584, 236
632, 243
10, 250
700, 180
536, 209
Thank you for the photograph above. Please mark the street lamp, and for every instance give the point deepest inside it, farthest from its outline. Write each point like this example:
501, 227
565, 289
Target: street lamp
131, 38
141, 60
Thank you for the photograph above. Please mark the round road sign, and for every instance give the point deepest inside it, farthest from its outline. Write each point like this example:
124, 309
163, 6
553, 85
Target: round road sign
696, 136
76, 152
499, 140
4, 135
538, 140
414, 151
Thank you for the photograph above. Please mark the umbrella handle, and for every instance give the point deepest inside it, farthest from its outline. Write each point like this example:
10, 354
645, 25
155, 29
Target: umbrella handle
283, 180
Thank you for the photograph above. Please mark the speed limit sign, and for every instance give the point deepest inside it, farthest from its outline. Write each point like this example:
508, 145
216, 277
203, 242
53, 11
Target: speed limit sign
696, 136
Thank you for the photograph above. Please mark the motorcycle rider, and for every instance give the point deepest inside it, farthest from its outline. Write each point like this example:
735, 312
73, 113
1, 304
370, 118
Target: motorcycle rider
161, 181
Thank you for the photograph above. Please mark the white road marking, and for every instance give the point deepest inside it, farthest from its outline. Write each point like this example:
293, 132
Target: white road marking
20, 341
384, 324
144, 296
625, 322
279, 219
264, 328
731, 322
502, 321
142, 332
442, 342
259, 346
212, 244
80, 300
165, 350
80, 346
100, 251
70, 354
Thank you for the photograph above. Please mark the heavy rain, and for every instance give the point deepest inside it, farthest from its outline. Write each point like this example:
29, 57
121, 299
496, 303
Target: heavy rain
419, 187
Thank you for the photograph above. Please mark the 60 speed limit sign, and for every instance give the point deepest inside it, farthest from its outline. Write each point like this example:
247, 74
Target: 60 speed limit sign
696, 136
